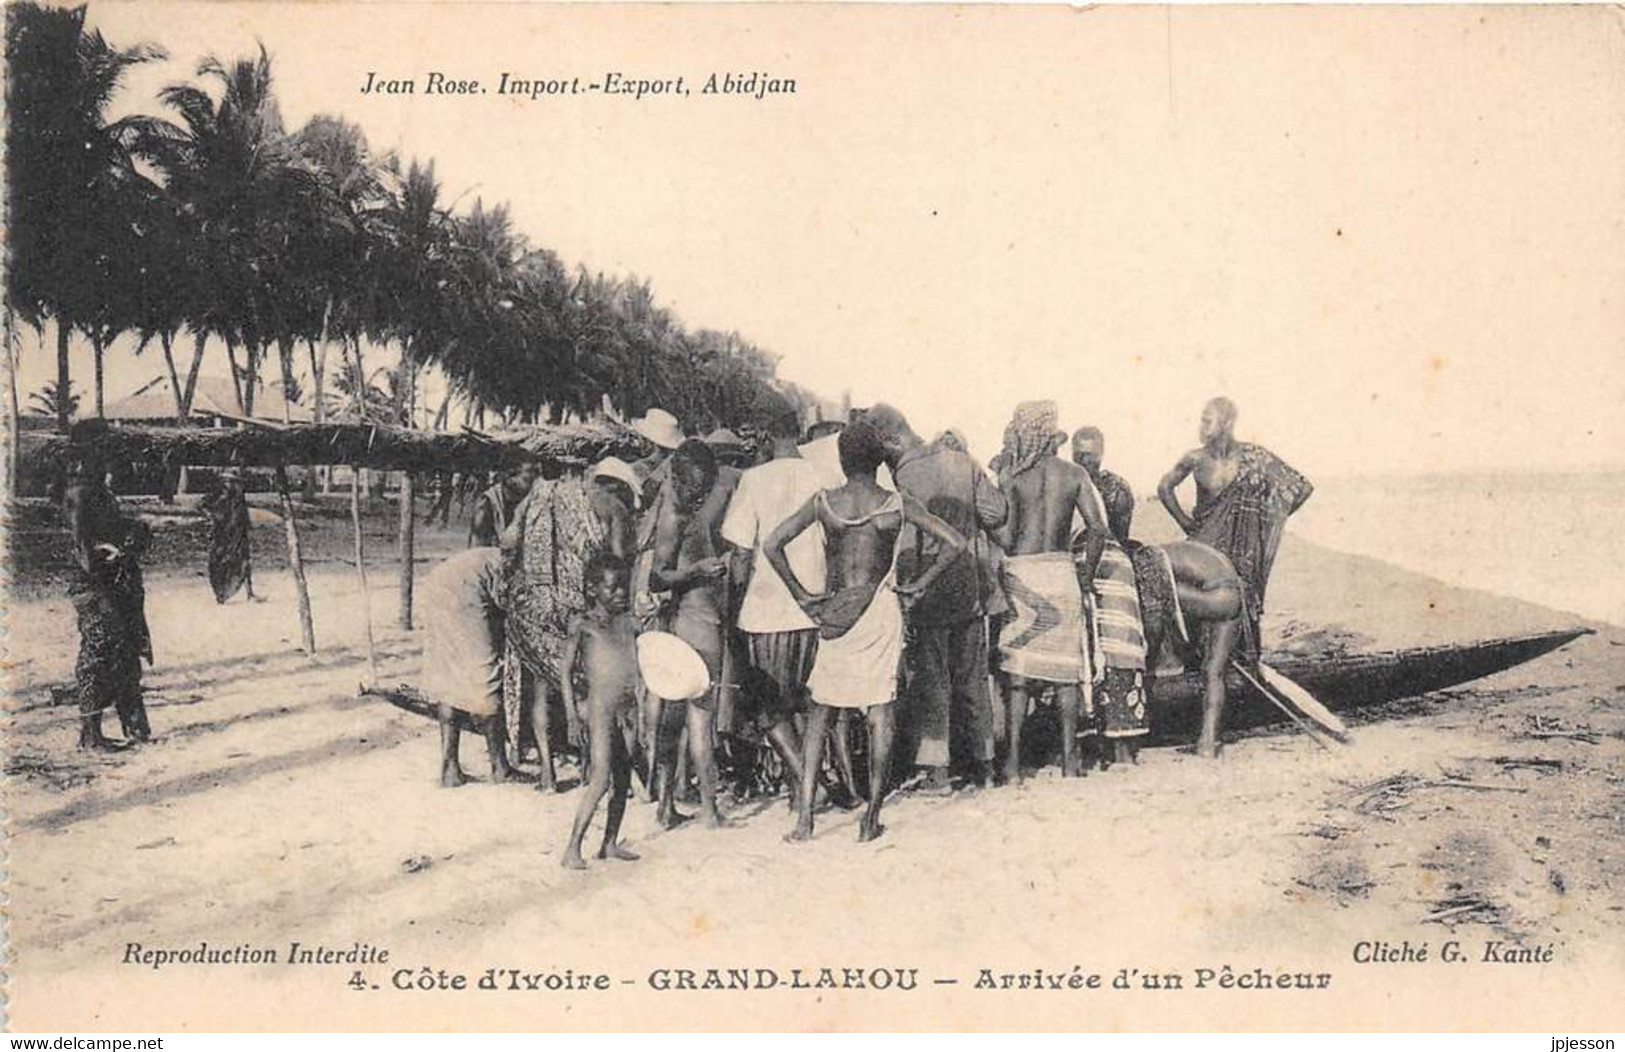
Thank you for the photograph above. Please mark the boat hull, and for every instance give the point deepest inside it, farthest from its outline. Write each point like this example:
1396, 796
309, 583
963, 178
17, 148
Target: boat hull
1347, 682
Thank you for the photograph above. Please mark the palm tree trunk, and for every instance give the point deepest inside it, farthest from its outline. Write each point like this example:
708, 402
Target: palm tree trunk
284, 353
14, 437
200, 340
375, 478
97, 348
236, 374
296, 559
441, 418
253, 354
166, 341
64, 379
318, 364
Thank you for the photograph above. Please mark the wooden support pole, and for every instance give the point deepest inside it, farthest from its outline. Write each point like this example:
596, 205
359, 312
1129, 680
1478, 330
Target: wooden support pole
361, 574
407, 523
290, 522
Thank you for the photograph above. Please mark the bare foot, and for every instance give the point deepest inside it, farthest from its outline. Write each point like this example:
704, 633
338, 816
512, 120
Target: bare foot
452, 778
802, 831
719, 821
619, 852
845, 801
573, 860
101, 744
510, 776
870, 830
673, 818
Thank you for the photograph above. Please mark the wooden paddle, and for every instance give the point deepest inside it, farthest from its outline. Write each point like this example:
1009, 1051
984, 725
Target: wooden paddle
1304, 702
1278, 703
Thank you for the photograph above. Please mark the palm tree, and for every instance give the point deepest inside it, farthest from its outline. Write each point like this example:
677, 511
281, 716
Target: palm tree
69, 168
241, 186
351, 196
46, 402
168, 289
410, 272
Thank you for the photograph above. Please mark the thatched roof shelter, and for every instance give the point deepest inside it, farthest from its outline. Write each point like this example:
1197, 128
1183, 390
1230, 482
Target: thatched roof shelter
266, 445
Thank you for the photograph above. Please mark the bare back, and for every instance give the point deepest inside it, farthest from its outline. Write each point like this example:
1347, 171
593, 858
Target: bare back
1042, 502
1200, 565
861, 522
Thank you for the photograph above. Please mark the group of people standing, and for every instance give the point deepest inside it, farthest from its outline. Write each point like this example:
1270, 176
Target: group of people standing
856, 568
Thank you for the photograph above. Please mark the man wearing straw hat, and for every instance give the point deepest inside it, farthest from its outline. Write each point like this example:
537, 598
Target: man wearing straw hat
654, 476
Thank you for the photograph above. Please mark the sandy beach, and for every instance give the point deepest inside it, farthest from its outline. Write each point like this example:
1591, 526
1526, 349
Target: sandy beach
278, 807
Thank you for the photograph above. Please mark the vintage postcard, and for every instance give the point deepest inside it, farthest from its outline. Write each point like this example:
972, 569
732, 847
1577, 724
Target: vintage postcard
832, 517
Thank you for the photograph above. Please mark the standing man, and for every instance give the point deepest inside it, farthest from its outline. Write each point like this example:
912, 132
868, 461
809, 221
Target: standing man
1088, 450
654, 475
946, 653
110, 601
781, 639
729, 450
1044, 641
1244, 495
496, 506
689, 565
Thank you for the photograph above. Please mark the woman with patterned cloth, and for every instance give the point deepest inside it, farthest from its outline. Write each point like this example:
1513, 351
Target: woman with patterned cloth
552, 534
230, 565
110, 601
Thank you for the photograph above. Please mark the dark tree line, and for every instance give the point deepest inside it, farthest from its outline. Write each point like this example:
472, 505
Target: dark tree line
210, 224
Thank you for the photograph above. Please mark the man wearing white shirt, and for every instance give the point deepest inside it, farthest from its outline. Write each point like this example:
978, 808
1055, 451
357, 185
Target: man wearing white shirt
783, 639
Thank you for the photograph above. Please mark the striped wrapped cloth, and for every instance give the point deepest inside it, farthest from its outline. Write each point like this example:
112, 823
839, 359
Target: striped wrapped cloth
1118, 632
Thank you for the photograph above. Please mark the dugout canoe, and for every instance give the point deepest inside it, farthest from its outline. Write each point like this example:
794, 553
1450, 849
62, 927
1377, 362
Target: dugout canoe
1352, 681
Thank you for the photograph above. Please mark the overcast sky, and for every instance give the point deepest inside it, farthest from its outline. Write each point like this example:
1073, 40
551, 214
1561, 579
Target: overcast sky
1394, 237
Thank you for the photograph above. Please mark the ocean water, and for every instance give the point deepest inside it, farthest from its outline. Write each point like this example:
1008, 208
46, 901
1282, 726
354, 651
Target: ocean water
1550, 538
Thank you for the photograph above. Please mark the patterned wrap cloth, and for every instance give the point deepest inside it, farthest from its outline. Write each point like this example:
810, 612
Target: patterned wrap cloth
1245, 521
1119, 638
545, 581
110, 605
1044, 637
229, 523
